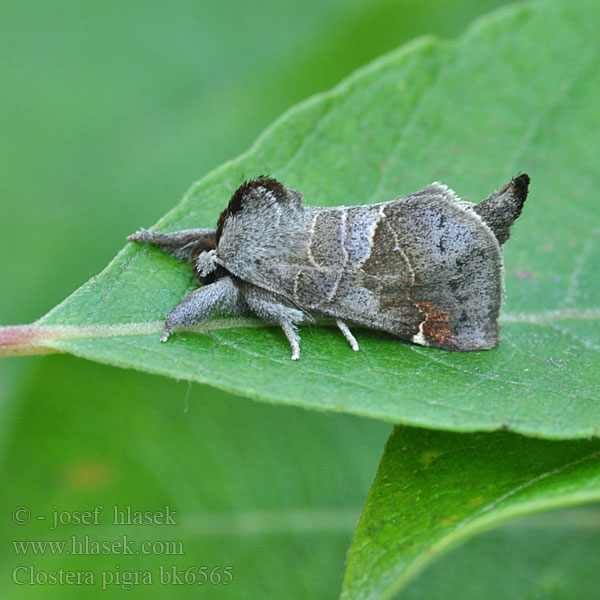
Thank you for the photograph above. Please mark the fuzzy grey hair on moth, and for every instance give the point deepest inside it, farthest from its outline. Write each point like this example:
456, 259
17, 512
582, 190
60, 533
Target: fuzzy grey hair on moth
426, 267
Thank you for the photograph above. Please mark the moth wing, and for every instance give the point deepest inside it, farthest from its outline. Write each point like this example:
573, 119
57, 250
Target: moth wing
433, 274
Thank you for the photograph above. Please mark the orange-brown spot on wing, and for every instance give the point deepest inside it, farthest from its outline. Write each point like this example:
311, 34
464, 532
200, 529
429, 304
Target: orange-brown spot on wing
436, 327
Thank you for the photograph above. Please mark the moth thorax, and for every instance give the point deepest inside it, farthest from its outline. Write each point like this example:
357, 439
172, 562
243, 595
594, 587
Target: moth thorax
206, 263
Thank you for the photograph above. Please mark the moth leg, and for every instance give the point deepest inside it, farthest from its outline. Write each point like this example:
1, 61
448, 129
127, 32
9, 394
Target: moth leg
272, 307
347, 334
220, 296
292, 335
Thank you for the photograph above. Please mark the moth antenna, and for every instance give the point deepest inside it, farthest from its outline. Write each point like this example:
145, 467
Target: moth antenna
501, 209
183, 245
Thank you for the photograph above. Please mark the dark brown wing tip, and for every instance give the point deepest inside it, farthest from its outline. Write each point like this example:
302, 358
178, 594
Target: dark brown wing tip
520, 189
501, 209
521, 184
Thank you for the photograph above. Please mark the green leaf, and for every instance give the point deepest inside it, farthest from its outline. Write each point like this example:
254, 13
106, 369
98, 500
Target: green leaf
550, 555
517, 92
434, 489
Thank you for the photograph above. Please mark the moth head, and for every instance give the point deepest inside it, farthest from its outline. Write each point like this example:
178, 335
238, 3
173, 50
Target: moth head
206, 263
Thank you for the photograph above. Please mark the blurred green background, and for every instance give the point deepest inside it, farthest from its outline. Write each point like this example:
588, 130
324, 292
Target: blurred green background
108, 112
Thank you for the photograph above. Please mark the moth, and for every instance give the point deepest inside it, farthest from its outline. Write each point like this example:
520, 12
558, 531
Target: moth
426, 267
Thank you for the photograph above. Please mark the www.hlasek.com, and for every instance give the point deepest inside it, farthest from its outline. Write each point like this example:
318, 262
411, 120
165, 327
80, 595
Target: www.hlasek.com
86, 545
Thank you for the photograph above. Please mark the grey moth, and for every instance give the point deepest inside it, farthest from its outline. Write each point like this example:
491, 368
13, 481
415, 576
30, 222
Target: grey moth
426, 267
